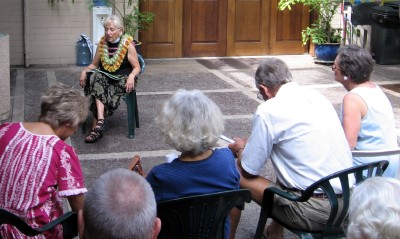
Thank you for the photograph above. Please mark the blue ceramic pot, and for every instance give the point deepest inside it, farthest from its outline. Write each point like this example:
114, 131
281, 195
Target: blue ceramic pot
326, 52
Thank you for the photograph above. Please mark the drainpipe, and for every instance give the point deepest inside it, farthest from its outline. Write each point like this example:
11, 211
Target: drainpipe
26, 42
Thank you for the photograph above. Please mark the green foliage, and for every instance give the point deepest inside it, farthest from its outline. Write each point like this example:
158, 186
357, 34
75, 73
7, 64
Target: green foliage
134, 20
321, 31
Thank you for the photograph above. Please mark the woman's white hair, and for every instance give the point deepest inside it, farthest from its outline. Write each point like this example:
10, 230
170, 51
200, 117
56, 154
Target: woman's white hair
374, 210
190, 122
114, 19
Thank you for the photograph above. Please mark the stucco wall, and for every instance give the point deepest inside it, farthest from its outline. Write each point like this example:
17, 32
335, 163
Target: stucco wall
51, 30
11, 22
54, 29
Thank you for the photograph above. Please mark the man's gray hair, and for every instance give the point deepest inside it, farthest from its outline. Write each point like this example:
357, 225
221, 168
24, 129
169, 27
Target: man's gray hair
190, 122
374, 210
119, 205
272, 72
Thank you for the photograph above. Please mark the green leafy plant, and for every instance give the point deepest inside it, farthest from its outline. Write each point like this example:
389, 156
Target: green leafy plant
134, 20
321, 31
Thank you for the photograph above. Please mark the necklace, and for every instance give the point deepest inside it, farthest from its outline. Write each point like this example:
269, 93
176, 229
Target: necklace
112, 64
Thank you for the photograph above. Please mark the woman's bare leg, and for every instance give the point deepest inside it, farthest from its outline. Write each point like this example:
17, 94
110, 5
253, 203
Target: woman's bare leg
100, 113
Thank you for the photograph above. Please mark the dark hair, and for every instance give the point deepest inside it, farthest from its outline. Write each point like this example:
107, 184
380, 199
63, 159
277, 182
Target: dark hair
355, 62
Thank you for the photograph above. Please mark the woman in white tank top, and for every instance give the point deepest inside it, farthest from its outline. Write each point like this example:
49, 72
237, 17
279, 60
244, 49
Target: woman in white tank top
366, 115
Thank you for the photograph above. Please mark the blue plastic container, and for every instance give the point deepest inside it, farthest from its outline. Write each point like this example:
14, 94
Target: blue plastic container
99, 3
83, 54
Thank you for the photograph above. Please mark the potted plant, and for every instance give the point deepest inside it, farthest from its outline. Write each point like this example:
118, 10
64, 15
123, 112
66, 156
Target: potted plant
326, 38
134, 20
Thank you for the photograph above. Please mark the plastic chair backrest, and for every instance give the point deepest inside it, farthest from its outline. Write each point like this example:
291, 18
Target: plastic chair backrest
333, 226
69, 222
375, 153
142, 63
201, 216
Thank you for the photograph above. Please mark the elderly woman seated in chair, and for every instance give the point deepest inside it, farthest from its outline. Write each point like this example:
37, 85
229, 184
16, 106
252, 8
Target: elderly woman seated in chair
192, 123
116, 65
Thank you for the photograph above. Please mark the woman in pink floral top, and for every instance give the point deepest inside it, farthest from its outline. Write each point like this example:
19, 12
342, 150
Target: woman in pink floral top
37, 167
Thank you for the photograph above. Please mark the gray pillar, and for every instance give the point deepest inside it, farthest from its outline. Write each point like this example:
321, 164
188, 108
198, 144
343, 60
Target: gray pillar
4, 76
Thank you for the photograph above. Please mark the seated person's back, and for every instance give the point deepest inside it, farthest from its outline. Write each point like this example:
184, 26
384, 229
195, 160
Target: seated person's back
192, 124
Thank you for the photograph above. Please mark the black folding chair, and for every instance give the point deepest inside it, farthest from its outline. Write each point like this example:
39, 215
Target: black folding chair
201, 216
69, 222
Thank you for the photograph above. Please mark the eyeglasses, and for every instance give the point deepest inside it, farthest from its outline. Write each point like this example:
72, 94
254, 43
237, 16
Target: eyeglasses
334, 67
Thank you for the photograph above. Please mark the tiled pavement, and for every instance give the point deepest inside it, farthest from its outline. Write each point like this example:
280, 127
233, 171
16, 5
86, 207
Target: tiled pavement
228, 81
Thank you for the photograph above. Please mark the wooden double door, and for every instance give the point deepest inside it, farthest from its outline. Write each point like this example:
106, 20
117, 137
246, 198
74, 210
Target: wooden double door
194, 28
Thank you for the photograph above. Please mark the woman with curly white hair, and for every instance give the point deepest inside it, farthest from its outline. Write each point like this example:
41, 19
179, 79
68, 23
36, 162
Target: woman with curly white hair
192, 123
375, 209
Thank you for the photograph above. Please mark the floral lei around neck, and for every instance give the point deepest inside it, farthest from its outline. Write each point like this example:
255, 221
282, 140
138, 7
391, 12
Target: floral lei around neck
112, 64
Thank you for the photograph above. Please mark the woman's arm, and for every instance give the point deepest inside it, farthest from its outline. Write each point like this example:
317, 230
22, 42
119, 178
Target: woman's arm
354, 109
76, 202
94, 65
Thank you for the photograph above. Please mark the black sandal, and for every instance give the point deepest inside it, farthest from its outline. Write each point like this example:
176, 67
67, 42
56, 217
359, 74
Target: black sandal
100, 125
93, 137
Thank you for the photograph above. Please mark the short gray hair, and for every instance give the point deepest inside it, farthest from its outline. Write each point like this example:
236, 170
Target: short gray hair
272, 72
355, 62
374, 210
114, 19
62, 104
190, 122
120, 204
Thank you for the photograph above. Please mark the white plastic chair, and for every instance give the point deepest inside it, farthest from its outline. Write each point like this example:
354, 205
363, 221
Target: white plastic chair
375, 153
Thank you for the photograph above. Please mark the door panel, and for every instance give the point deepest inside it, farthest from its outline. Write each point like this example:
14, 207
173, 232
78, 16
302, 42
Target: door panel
247, 27
164, 37
286, 27
192, 28
204, 28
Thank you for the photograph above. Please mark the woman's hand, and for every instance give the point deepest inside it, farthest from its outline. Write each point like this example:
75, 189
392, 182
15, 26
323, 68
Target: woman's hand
82, 78
130, 83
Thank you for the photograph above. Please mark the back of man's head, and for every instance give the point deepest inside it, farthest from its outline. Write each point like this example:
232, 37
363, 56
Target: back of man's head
272, 72
120, 204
